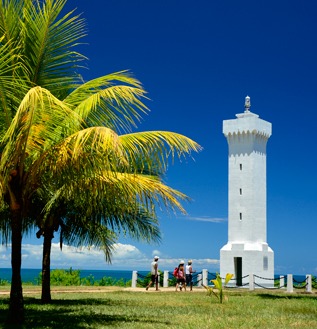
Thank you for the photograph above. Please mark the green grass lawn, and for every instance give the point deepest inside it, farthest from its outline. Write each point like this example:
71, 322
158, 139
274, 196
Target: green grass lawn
120, 308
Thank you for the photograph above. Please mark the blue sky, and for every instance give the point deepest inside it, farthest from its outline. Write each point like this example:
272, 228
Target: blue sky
198, 60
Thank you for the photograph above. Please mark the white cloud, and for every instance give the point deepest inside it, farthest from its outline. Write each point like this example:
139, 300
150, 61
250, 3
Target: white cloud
207, 219
156, 253
123, 251
125, 257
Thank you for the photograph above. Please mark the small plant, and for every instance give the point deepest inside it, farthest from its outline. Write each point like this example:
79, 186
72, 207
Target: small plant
218, 289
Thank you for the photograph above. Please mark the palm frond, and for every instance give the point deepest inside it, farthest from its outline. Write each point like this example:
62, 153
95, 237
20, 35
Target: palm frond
81, 231
113, 100
129, 219
37, 126
80, 155
153, 148
49, 42
9, 99
112, 191
10, 18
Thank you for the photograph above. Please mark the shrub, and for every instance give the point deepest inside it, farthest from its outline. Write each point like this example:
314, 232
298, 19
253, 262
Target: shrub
109, 281
64, 277
146, 280
4, 282
88, 281
72, 278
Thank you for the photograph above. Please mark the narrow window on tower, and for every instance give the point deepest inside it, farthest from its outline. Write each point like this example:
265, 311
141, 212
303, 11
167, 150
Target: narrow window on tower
240, 166
240, 191
265, 263
240, 215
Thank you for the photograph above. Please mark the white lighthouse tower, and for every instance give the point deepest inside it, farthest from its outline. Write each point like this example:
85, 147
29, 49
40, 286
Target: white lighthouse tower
247, 251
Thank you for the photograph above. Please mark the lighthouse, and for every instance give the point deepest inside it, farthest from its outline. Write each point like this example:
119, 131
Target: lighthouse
247, 251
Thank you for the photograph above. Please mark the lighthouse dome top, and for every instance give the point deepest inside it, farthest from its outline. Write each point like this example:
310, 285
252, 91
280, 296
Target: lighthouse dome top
247, 112
247, 122
247, 104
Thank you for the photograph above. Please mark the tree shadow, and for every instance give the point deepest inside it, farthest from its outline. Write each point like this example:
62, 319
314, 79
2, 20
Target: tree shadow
66, 313
288, 296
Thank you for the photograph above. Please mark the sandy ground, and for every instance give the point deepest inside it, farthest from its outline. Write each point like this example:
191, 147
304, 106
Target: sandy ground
56, 290
37, 290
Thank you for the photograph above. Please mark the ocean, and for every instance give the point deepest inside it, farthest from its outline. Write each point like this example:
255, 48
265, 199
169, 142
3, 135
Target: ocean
32, 275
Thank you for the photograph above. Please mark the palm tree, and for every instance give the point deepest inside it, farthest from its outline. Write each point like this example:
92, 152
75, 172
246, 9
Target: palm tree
48, 145
65, 132
79, 230
116, 200
36, 48
88, 234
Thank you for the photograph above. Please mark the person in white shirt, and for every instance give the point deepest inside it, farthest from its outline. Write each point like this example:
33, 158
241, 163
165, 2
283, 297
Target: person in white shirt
189, 276
154, 274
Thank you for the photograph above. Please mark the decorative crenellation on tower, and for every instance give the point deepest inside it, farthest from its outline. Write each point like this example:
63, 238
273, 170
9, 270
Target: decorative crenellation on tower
247, 251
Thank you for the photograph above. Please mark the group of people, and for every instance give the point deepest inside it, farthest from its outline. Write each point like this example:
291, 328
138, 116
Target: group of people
183, 275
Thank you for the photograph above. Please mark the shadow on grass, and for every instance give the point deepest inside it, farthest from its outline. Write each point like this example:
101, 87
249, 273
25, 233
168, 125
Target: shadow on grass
288, 296
75, 314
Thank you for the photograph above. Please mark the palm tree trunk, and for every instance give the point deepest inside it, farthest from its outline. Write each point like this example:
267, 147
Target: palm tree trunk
46, 266
16, 308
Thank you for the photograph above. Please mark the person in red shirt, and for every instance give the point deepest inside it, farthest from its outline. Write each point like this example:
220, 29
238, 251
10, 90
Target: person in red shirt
181, 276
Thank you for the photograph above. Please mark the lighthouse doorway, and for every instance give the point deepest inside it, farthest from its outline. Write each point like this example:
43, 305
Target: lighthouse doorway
238, 270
